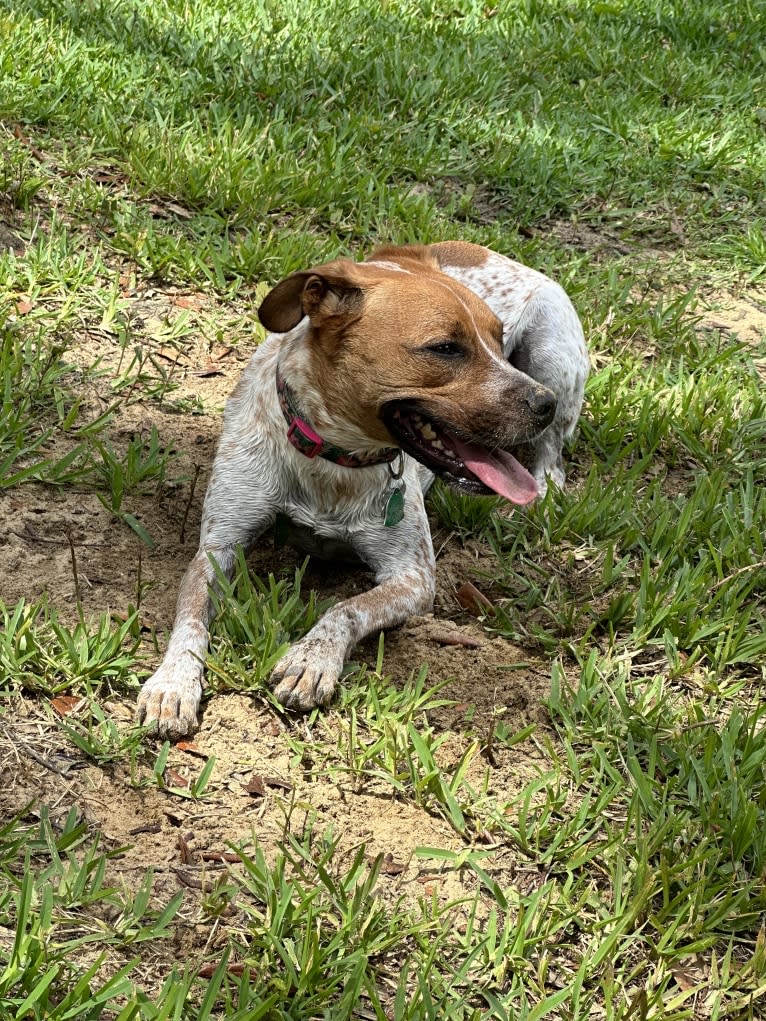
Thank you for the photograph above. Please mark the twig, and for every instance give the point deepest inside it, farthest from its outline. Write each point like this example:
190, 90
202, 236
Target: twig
197, 469
740, 570
455, 638
74, 568
30, 753
150, 827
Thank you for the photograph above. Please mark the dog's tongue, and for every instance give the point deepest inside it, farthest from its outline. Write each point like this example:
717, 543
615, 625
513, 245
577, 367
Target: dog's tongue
499, 471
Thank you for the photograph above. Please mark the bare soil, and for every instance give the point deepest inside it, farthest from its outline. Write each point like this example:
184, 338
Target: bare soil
740, 318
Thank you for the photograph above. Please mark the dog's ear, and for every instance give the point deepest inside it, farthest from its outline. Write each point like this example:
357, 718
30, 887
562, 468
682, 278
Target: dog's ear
321, 293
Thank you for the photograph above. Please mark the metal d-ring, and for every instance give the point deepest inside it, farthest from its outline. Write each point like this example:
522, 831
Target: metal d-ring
395, 475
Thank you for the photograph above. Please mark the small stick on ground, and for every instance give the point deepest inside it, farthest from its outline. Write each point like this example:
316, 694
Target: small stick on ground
138, 579
187, 508
455, 638
73, 557
32, 754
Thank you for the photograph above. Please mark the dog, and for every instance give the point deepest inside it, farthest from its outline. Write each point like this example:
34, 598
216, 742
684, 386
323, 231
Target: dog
376, 376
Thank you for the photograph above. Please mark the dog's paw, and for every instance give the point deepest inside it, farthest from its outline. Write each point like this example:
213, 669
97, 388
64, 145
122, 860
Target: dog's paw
547, 473
169, 700
307, 674
548, 466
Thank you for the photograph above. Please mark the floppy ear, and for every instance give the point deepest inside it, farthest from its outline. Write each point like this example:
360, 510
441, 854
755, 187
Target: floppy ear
319, 293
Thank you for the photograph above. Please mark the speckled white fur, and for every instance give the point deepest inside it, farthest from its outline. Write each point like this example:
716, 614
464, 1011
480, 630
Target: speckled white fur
258, 474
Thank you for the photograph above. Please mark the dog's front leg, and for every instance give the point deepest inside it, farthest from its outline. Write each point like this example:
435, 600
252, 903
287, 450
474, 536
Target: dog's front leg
308, 673
236, 512
169, 700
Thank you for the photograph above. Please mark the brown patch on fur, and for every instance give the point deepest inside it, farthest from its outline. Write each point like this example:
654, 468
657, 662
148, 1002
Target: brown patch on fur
403, 254
459, 253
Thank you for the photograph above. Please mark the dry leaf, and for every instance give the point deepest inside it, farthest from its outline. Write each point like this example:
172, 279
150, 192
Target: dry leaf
187, 855
23, 305
474, 600
208, 970
65, 704
175, 778
191, 748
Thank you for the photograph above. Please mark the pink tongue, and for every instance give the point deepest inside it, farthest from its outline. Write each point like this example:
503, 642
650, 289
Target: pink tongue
499, 471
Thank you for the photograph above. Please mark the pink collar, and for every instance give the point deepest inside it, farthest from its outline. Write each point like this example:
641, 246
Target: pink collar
310, 444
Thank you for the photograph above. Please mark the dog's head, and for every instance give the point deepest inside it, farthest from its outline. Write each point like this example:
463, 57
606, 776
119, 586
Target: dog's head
413, 358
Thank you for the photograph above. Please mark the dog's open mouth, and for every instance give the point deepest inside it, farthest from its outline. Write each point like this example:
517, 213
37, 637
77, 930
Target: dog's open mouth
462, 464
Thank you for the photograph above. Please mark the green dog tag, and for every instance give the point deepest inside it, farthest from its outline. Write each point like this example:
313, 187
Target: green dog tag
394, 508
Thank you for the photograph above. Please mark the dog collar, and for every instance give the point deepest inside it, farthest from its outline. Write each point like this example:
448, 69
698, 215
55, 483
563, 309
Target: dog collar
310, 444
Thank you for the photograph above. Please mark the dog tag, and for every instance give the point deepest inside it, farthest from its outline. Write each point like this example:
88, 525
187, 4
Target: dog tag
394, 511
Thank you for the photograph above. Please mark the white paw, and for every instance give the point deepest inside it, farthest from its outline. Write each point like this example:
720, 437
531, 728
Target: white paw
308, 673
169, 700
545, 474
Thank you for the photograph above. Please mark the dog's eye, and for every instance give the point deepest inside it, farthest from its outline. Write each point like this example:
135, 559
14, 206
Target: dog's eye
446, 349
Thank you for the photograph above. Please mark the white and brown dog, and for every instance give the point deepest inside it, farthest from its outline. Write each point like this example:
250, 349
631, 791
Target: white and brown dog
425, 360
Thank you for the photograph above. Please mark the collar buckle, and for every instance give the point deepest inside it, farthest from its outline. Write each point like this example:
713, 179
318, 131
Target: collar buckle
304, 439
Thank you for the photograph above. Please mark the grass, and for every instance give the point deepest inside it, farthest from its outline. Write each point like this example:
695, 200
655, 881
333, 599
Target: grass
214, 147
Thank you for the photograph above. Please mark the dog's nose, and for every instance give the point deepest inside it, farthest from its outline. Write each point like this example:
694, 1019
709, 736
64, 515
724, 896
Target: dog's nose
542, 403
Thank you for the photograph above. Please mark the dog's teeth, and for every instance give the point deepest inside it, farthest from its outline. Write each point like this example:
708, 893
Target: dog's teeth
438, 444
428, 432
